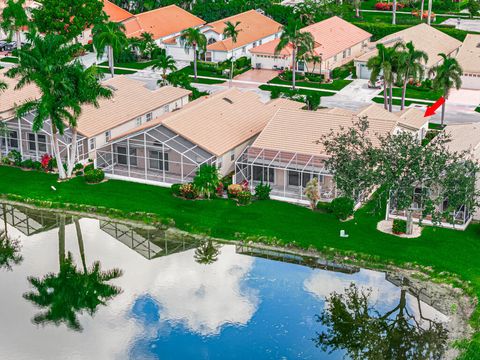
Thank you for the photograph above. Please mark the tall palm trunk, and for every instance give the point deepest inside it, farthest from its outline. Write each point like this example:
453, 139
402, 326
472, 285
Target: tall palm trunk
61, 240
445, 96
384, 93
390, 87
429, 15
81, 246
394, 12
18, 37
195, 61
294, 66
4, 210
111, 60
73, 153
422, 8
357, 8
56, 151
409, 221
404, 92
231, 71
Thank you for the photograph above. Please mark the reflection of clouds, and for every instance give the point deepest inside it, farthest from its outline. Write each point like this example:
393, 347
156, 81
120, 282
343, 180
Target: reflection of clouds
203, 298
322, 283
425, 311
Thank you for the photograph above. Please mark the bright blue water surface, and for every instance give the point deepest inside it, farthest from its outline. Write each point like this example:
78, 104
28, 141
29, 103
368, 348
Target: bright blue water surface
171, 306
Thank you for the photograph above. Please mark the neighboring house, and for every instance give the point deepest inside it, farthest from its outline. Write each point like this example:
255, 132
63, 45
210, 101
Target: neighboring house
254, 29
423, 36
114, 12
214, 129
162, 23
463, 137
469, 59
289, 153
29, 6
132, 105
337, 42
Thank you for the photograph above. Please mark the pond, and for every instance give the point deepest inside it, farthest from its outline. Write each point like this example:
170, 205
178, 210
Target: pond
96, 289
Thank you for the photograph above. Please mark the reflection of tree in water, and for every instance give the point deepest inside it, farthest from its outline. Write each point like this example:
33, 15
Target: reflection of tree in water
71, 291
366, 334
9, 251
207, 253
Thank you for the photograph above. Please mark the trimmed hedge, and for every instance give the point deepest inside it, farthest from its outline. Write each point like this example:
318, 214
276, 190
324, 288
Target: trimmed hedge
342, 207
94, 176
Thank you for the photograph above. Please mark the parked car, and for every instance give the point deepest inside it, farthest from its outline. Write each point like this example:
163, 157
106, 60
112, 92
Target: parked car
377, 84
10, 46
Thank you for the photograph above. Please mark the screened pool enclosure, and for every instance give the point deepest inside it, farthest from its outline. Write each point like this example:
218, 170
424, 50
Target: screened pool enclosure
155, 155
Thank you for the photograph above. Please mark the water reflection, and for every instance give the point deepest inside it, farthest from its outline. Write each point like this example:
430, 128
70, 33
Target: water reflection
246, 304
351, 323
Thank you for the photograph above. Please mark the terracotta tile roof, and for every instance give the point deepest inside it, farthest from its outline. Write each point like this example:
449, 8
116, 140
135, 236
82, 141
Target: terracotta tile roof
337, 111
424, 37
332, 36
411, 118
161, 22
11, 98
253, 26
131, 99
115, 13
220, 122
298, 131
469, 54
378, 112
464, 137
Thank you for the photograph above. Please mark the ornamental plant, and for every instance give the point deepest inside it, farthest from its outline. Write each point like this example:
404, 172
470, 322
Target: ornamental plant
399, 226
311, 192
262, 191
342, 207
206, 180
94, 176
189, 191
45, 161
233, 190
244, 197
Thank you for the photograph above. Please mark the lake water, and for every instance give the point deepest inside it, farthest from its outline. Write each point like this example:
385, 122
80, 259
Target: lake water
157, 298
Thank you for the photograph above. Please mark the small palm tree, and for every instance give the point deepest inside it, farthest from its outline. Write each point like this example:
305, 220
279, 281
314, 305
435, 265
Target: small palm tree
147, 45
9, 250
411, 67
231, 31
14, 18
163, 62
207, 253
195, 39
109, 36
315, 59
292, 36
447, 76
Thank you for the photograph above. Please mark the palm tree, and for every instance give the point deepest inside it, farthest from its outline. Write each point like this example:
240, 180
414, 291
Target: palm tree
411, 67
9, 250
207, 253
14, 18
71, 291
292, 36
394, 12
315, 59
429, 18
147, 45
109, 36
231, 31
163, 62
385, 62
193, 38
447, 76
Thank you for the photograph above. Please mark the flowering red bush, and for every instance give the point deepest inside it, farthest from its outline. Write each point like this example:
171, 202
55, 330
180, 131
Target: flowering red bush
45, 161
388, 6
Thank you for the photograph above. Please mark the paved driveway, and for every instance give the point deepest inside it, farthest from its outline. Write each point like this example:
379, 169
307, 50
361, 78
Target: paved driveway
257, 75
469, 98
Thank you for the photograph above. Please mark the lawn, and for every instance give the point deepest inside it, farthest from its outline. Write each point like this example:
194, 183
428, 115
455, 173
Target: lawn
207, 81
9, 59
417, 94
189, 70
337, 84
398, 102
131, 65
299, 91
442, 249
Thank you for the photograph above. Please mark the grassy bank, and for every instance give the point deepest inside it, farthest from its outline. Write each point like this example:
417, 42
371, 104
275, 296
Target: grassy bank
299, 91
442, 249
337, 84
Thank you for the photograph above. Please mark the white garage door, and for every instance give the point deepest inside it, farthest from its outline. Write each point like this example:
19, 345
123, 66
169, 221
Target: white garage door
471, 82
364, 72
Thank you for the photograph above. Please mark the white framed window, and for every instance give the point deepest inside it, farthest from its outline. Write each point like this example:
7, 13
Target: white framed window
219, 164
108, 135
149, 116
335, 58
232, 155
92, 143
138, 121
166, 108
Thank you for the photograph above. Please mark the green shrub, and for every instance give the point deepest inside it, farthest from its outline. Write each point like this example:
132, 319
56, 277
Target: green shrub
77, 167
233, 190
94, 176
206, 180
314, 77
244, 197
242, 62
342, 207
88, 168
176, 189
27, 164
262, 191
188, 191
37, 165
399, 226
343, 71
324, 207
78, 173
15, 157
288, 76
227, 180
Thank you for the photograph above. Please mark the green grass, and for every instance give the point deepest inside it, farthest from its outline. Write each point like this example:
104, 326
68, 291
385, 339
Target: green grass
208, 81
435, 126
189, 70
131, 65
117, 71
337, 84
418, 94
9, 59
442, 249
379, 100
299, 91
